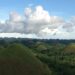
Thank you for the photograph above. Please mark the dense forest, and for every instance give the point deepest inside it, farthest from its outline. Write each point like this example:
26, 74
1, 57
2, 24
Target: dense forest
21, 56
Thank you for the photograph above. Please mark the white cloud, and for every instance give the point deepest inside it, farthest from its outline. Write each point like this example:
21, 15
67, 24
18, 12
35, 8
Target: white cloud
18, 35
39, 19
28, 11
39, 22
15, 17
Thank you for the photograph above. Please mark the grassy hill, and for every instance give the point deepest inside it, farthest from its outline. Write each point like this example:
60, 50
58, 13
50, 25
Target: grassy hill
17, 59
70, 48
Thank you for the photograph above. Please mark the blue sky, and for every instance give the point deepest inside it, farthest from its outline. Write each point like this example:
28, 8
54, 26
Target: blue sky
63, 8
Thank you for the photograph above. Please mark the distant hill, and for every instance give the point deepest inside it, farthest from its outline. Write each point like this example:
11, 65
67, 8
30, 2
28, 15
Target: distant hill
17, 59
70, 48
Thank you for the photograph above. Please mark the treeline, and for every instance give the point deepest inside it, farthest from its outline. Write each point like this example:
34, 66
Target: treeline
27, 41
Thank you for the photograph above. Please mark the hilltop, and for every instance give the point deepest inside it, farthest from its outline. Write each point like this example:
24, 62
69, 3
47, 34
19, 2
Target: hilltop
17, 59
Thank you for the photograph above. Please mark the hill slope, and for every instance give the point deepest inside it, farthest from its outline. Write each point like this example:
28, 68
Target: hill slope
70, 48
19, 60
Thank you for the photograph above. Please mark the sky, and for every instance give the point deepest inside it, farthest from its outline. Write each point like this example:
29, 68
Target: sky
38, 18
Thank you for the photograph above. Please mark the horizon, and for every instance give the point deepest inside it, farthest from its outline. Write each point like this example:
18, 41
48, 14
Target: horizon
46, 19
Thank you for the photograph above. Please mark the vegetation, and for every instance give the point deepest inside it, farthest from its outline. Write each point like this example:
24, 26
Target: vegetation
37, 57
19, 60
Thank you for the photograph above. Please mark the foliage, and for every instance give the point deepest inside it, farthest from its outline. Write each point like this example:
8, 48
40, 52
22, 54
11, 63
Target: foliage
37, 56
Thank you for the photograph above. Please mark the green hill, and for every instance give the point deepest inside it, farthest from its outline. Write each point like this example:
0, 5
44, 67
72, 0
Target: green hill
70, 48
17, 59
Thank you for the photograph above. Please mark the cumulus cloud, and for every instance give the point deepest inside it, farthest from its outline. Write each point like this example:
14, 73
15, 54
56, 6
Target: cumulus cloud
70, 25
39, 22
39, 19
